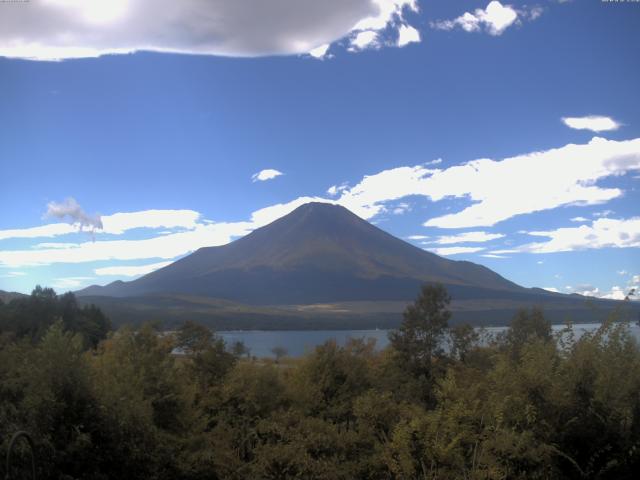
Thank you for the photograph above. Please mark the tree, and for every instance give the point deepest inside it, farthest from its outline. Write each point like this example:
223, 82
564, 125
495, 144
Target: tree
239, 349
526, 326
31, 317
462, 339
279, 353
209, 360
421, 333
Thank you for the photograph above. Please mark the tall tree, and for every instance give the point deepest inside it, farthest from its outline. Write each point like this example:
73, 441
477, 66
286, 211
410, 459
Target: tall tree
418, 342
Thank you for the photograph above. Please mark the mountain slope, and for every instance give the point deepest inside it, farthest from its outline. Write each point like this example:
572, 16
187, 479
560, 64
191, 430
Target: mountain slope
6, 297
317, 253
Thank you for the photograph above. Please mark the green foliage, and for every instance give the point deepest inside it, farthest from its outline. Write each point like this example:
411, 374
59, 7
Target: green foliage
418, 343
528, 325
32, 316
145, 404
463, 338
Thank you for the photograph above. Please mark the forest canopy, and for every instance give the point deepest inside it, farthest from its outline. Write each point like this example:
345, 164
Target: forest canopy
102, 404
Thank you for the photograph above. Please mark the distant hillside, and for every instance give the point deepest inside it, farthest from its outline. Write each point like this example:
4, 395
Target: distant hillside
6, 297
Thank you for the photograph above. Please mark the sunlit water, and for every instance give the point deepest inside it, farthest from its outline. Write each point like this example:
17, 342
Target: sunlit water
298, 342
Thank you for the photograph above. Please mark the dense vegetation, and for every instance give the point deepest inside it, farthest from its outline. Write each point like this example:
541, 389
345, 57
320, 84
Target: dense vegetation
121, 405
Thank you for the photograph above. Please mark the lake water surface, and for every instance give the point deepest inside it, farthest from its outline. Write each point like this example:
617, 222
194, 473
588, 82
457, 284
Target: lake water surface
298, 342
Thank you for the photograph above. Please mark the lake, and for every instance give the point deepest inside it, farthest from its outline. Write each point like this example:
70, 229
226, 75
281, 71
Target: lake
298, 342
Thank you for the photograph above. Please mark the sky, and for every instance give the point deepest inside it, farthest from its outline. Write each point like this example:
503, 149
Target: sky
133, 132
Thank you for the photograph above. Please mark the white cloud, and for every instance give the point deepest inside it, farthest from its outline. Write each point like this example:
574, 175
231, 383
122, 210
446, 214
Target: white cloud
401, 209
336, 189
491, 255
622, 272
119, 223
540, 262
579, 219
164, 246
437, 161
115, 224
130, 270
264, 175
468, 237
594, 123
69, 283
569, 175
54, 245
167, 246
366, 199
537, 181
454, 250
319, 52
576, 170
636, 279
602, 233
407, 34
587, 291
604, 213
494, 19
417, 237
365, 39
551, 289
60, 29
13, 274
387, 11
616, 293
51, 230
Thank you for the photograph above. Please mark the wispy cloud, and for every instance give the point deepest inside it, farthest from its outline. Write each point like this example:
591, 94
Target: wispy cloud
401, 209
13, 274
468, 237
337, 189
602, 233
595, 123
444, 251
115, 224
44, 231
130, 270
576, 170
70, 283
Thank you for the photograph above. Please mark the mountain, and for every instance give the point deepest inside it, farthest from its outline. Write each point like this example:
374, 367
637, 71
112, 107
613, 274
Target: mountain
318, 253
6, 297
321, 263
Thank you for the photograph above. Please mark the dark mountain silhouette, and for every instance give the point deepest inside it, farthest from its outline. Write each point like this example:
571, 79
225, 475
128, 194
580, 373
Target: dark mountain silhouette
321, 266
318, 253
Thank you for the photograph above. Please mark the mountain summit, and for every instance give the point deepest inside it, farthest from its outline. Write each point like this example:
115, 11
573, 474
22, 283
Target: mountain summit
317, 253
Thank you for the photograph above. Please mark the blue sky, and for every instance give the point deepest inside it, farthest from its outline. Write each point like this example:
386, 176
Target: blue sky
507, 134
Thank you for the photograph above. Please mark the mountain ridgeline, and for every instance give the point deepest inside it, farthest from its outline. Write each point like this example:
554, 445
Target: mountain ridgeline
324, 255
318, 253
